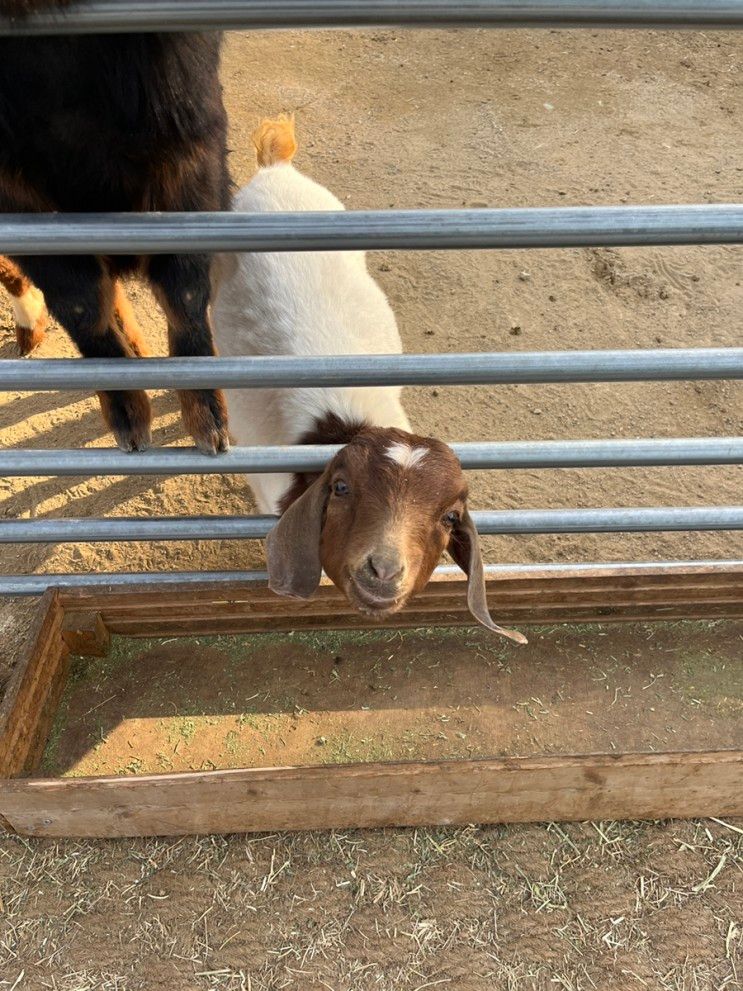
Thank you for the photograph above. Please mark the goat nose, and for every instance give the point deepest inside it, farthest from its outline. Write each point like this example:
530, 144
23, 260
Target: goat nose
385, 565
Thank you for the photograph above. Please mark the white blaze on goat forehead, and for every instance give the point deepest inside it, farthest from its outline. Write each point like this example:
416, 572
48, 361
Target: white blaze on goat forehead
405, 455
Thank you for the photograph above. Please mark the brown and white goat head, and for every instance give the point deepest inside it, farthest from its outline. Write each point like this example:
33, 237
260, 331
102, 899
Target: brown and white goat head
377, 521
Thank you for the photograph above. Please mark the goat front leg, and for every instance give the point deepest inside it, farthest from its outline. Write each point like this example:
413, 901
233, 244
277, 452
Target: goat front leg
182, 285
29, 309
82, 296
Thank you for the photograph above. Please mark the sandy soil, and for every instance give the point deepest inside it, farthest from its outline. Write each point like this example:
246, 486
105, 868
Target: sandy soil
410, 120
202, 703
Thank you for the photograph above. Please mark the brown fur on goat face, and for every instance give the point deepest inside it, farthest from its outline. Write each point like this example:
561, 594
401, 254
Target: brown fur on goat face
377, 521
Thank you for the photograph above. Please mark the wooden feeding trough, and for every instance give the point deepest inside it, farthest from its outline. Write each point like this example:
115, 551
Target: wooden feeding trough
688, 779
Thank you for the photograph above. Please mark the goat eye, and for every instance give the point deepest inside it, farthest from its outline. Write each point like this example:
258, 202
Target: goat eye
340, 489
451, 519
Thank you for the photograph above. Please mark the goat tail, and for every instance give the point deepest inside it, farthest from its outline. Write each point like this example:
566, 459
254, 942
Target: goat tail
275, 141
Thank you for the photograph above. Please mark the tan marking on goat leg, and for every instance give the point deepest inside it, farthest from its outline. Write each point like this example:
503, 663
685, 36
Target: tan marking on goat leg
12, 278
127, 412
126, 323
29, 308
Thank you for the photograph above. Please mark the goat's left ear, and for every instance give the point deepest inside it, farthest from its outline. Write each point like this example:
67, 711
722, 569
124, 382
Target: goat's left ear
464, 547
293, 546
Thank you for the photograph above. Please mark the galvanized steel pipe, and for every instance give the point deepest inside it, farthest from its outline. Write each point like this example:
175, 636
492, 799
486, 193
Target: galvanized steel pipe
365, 370
38, 584
256, 527
508, 454
526, 227
108, 16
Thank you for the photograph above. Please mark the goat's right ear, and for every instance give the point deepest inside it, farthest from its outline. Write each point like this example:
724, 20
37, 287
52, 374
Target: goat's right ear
293, 546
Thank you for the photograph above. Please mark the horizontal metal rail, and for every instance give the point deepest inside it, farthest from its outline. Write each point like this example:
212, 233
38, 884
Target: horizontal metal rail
526, 227
278, 371
508, 454
38, 584
526, 521
107, 16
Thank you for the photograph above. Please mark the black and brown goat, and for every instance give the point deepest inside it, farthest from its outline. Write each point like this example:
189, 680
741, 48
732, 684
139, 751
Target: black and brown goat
128, 122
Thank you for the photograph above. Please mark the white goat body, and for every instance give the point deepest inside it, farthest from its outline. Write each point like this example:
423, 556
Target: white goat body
299, 303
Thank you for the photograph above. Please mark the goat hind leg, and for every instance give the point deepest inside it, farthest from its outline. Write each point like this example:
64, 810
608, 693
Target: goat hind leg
29, 309
81, 295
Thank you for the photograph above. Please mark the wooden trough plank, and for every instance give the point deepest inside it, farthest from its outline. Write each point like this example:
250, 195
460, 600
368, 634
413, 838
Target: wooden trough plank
528, 789
85, 633
27, 710
245, 623
535, 596
509, 604
5, 825
524, 575
501, 603
537, 580
133, 627
690, 590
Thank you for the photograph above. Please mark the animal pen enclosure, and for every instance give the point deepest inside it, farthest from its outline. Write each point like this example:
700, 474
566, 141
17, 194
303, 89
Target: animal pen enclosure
77, 612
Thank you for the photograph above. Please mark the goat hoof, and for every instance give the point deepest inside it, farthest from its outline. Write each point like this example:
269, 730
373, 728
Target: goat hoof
29, 338
133, 442
214, 443
128, 416
205, 418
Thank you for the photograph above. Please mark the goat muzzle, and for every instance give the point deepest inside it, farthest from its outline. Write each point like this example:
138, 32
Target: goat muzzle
377, 585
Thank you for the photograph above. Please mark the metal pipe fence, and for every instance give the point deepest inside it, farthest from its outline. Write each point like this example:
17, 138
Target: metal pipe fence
38, 584
525, 367
538, 227
368, 230
489, 522
110, 16
98, 461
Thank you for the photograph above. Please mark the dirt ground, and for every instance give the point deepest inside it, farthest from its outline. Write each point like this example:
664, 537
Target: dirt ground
441, 119
202, 703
